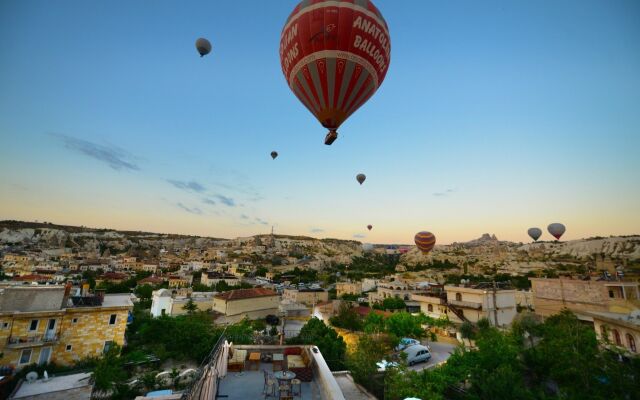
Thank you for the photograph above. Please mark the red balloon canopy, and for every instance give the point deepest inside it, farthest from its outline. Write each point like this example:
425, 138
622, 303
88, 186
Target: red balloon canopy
334, 56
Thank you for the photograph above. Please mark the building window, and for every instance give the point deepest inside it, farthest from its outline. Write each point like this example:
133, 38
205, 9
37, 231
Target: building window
68, 347
112, 319
604, 333
5, 325
632, 342
458, 296
74, 321
34, 325
107, 346
430, 308
611, 293
25, 357
616, 337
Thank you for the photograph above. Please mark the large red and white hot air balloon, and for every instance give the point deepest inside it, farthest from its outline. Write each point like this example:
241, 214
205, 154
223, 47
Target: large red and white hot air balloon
334, 55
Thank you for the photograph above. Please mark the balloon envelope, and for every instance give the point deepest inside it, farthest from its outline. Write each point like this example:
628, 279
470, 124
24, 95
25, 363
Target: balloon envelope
556, 230
425, 241
361, 178
369, 227
203, 46
334, 56
274, 154
535, 233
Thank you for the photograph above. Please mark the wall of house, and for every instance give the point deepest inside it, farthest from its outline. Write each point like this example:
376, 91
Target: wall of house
623, 330
243, 306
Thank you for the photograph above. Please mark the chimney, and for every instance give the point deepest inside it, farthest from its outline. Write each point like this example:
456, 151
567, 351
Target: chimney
67, 293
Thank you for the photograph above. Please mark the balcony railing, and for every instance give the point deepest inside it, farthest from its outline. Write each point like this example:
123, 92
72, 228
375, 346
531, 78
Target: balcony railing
466, 304
29, 341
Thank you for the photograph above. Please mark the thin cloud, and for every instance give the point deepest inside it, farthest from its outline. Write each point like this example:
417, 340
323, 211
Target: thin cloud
226, 200
114, 157
359, 236
261, 221
244, 216
208, 201
446, 192
189, 186
191, 210
316, 230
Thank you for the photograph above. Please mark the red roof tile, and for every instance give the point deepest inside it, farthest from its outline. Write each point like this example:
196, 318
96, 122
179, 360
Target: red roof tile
239, 294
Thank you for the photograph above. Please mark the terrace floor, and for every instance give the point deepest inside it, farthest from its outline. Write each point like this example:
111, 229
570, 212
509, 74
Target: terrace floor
249, 384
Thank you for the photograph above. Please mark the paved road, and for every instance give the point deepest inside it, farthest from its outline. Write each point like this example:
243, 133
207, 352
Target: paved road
440, 351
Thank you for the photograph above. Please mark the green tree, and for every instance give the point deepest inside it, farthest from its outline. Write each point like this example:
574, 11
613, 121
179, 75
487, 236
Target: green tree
190, 307
362, 362
347, 318
108, 371
392, 303
331, 345
373, 323
403, 324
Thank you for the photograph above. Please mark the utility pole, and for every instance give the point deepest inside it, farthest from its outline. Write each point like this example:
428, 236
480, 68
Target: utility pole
495, 305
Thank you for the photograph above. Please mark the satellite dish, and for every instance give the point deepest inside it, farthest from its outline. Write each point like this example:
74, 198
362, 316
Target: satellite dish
32, 376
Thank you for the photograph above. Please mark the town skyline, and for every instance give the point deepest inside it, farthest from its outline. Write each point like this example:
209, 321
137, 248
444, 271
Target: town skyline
486, 122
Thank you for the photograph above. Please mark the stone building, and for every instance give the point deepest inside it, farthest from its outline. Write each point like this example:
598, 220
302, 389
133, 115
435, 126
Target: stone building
308, 297
343, 288
550, 296
236, 305
41, 324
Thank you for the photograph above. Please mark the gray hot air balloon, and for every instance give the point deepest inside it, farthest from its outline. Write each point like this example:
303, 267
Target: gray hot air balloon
274, 154
556, 230
535, 233
203, 46
361, 178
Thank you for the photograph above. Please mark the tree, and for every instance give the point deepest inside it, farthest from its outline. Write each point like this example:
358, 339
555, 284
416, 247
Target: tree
347, 318
392, 303
109, 370
331, 345
362, 362
190, 307
467, 331
403, 324
373, 323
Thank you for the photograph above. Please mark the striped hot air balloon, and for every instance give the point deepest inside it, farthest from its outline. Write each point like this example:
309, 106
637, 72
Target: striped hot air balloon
334, 55
425, 241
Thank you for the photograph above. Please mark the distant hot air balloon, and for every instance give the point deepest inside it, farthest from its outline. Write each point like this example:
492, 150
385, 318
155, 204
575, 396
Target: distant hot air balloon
535, 233
556, 230
274, 154
203, 46
361, 178
334, 56
425, 241
369, 227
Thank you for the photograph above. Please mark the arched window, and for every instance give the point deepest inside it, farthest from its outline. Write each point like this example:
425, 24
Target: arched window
604, 334
458, 296
616, 337
631, 342
430, 308
406, 297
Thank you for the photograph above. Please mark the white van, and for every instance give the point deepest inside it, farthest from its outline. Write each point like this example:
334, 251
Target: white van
417, 353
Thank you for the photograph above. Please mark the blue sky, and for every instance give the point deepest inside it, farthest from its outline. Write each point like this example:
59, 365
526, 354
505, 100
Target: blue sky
494, 117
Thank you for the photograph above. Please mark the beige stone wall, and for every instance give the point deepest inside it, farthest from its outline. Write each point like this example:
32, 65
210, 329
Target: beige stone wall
348, 288
87, 336
307, 298
623, 331
244, 306
203, 305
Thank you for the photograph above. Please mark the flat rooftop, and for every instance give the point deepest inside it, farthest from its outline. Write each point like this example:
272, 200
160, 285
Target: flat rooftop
56, 384
249, 384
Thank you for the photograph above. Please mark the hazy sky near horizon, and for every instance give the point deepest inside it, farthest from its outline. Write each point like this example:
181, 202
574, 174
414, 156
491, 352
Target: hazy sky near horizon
495, 116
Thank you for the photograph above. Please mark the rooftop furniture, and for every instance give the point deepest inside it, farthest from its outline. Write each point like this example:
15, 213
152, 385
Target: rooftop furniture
236, 362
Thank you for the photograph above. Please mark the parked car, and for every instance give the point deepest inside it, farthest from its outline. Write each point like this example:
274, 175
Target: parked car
406, 342
417, 353
384, 364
